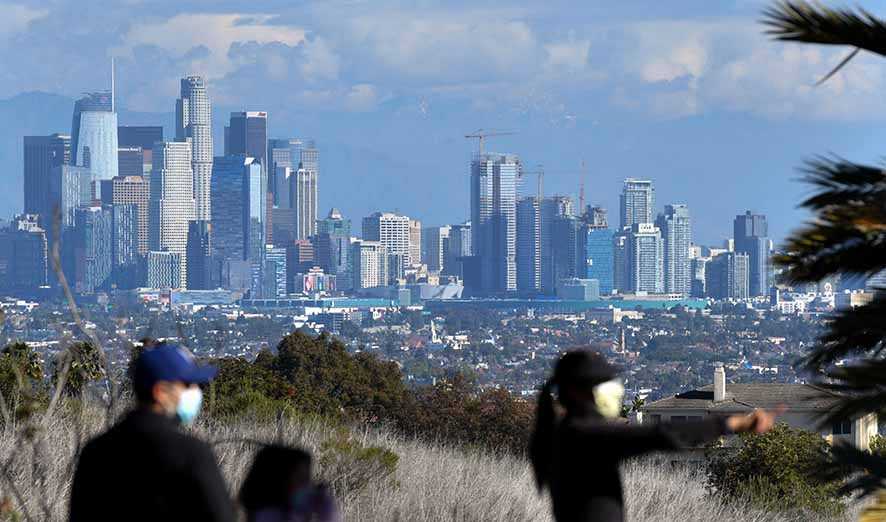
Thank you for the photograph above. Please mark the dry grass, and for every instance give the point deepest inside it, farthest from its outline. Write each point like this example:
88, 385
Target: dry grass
432, 482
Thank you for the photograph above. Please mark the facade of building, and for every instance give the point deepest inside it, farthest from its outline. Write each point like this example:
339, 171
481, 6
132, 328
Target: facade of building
199, 273
332, 246
676, 231
369, 266
392, 231
494, 221
551, 211
435, 247
141, 136
164, 270
124, 245
193, 123
172, 206
89, 249
25, 254
130, 162
306, 202
751, 235
131, 190
727, 276
620, 262
274, 282
247, 134
283, 154
94, 136
645, 259
43, 154
238, 208
70, 188
569, 246
415, 242
600, 258
637, 202
529, 244
460, 245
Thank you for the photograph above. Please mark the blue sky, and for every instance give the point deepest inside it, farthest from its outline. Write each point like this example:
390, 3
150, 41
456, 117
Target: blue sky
688, 93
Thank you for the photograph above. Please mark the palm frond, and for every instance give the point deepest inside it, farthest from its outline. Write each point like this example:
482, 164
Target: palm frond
848, 234
801, 21
860, 387
867, 472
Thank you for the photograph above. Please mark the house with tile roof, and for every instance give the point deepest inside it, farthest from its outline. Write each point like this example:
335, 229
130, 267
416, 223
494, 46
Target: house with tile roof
805, 405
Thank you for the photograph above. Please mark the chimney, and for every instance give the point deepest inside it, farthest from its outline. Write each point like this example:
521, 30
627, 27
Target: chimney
719, 383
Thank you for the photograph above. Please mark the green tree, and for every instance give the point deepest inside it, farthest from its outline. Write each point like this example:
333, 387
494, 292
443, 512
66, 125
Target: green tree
846, 237
21, 375
777, 470
80, 364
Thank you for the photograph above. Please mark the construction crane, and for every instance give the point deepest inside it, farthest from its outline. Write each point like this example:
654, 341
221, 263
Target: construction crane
482, 134
581, 190
540, 177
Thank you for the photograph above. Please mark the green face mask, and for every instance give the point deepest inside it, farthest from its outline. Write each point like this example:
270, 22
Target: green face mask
608, 397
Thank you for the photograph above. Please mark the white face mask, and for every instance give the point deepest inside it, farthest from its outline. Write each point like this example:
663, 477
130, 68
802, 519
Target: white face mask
608, 397
188, 406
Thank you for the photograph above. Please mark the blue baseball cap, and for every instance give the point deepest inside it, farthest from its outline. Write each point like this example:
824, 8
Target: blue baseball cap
169, 362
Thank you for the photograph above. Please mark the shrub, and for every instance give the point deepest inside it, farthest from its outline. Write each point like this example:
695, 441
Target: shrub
83, 363
349, 466
775, 470
878, 445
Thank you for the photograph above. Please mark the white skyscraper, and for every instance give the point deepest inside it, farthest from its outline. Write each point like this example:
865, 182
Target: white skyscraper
306, 191
637, 202
676, 232
193, 123
172, 203
392, 231
645, 259
494, 221
369, 264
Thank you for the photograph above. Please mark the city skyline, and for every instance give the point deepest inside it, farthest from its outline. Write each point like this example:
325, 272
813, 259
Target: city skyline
664, 112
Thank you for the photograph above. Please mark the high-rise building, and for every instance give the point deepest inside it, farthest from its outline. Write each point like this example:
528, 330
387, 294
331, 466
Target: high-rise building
142, 137
460, 243
69, 188
42, 154
620, 262
435, 247
248, 134
172, 204
125, 258
24, 264
199, 267
238, 208
164, 269
596, 217
727, 276
569, 247
284, 154
494, 221
305, 202
88, 249
274, 275
369, 264
332, 245
94, 137
698, 270
131, 190
676, 231
414, 242
130, 162
600, 257
552, 209
751, 234
392, 231
529, 244
645, 259
637, 202
193, 123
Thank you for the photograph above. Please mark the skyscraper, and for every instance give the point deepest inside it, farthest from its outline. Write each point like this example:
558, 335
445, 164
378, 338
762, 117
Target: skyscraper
676, 230
727, 276
306, 192
284, 154
130, 162
459, 248
494, 220
620, 262
529, 244
126, 263
637, 202
392, 231
89, 249
248, 134
69, 188
414, 242
238, 210
645, 259
193, 123
552, 209
24, 254
274, 282
435, 247
134, 190
600, 258
332, 246
751, 234
94, 137
164, 270
369, 264
569, 247
41, 155
141, 137
199, 250
172, 204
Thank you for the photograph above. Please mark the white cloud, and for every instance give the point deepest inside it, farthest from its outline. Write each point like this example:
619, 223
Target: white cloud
570, 55
16, 18
204, 40
361, 97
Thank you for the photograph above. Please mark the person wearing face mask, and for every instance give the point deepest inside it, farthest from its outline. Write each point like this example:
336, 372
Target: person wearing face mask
146, 467
278, 488
576, 455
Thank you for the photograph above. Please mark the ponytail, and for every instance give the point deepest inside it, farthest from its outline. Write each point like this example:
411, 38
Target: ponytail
541, 444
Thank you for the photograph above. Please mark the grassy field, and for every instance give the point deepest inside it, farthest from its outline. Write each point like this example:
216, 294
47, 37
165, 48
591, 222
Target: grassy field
431, 482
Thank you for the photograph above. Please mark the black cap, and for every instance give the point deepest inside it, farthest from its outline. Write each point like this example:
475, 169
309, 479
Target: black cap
584, 367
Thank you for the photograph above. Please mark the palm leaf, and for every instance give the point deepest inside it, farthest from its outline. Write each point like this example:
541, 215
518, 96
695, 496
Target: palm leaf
800, 21
860, 387
870, 470
854, 331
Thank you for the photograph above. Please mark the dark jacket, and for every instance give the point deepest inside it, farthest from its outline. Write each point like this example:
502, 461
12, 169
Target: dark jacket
585, 479
146, 468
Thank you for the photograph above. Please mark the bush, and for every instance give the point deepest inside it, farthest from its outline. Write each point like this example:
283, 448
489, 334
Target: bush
775, 471
348, 466
878, 445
